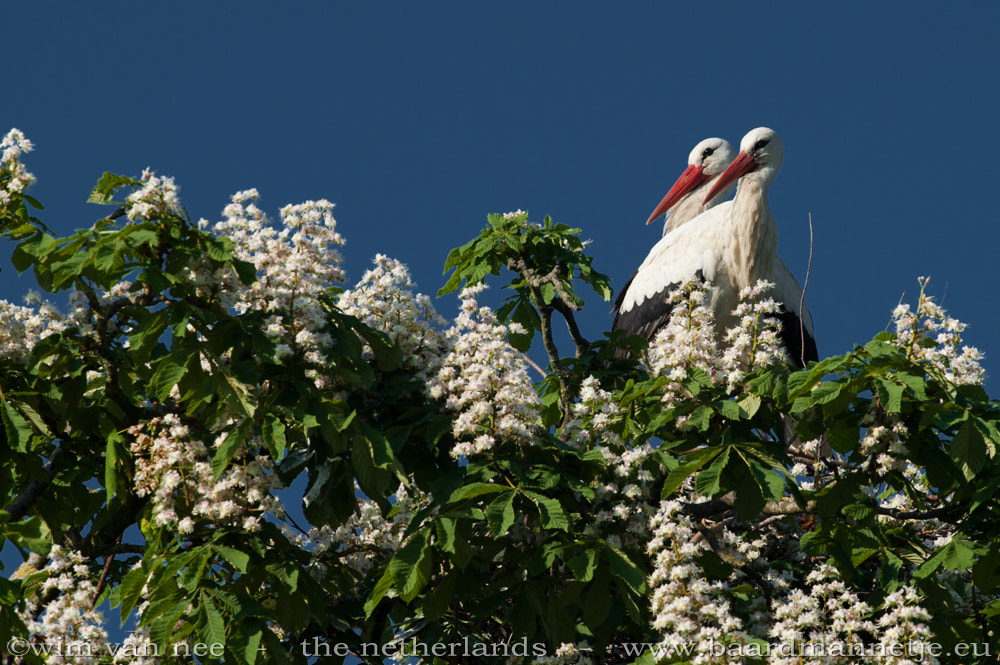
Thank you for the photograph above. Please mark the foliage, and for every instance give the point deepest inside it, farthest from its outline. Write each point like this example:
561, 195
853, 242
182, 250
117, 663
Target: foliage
162, 440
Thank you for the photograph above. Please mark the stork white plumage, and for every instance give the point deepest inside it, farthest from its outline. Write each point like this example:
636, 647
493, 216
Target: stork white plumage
731, 245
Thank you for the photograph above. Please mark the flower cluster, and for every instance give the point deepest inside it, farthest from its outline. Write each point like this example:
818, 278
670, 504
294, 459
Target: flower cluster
13, 176
365, 541
157, 197
824, 615
69, 623
884, 441
174, 469
295, 267
905, 622
930, 336
687, 608
688, 341
486, 381
22, 327
754, 342
591, 415
589, 427
384, 299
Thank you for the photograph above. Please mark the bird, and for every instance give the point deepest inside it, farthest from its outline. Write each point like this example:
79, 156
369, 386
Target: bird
730, 245
683, 202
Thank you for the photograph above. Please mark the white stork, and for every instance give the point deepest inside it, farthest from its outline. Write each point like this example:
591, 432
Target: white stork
684, 201
731, 245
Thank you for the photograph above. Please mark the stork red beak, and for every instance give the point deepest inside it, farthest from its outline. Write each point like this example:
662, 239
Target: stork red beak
691, 178
742, 165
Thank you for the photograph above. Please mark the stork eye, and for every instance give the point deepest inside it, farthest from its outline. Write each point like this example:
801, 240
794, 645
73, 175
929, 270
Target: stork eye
708, 152
759, 145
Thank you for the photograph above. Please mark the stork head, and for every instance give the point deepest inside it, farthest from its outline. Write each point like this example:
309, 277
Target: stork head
761, 152
712, 156
707, 160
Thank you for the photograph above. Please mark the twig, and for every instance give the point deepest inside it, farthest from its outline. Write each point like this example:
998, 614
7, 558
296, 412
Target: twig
901, 296
802, 298
530, 361
104, 574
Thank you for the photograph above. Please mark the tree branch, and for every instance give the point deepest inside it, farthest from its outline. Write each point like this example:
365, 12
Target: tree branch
33, 492
786, 506
574, 330
534, 282
934, 513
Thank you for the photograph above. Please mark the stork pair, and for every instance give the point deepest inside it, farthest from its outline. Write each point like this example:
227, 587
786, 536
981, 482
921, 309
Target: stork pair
728, 244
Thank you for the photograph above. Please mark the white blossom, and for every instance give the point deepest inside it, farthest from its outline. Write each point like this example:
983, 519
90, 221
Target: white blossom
930, 336
485, 382
173, 467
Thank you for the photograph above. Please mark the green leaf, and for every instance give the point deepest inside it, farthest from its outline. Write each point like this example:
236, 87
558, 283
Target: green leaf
440, 598
826, 392
750, 403
708, 481
844, 435
378, 592
701, 418
128, 593
238, 394
33, 202
169, 371
224, 454
107, 185
584, 564
473, 490
248, 636
237, 559
274, 436
31, 533
957, 554
771, 483
968, 450
162, 627
679, 474
729, 409
891, 394
551, 511
444, 527
112, 465
146, 335
626, 570
17, 429
215, 628
500, 513
192, 568
411, 566
595, 602
287, 572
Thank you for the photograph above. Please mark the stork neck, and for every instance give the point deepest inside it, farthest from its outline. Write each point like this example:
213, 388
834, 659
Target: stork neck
690, 206
755, 232
686, 209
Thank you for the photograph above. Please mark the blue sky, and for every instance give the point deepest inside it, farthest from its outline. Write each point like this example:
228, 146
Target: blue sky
418, 119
